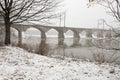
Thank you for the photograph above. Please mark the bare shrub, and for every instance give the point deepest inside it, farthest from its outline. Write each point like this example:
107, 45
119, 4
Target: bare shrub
99, 57
43, 49
106, 57
114, 58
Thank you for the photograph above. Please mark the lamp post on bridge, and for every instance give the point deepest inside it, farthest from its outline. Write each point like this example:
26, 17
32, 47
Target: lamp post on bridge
64, 19
60, 20
62, 23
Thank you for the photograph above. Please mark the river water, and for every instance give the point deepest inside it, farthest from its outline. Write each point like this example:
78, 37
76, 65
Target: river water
86, 49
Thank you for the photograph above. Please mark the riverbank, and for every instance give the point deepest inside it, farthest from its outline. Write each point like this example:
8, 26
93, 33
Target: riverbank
18, 64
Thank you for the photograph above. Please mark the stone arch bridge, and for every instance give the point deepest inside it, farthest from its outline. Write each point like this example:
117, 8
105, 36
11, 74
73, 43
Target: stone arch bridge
61, 30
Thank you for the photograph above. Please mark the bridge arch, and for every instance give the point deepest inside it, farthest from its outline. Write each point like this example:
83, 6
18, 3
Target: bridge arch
19, 34
33, 31
94, 34
52, 33
40, 32
83, 34
32, 36
69, 34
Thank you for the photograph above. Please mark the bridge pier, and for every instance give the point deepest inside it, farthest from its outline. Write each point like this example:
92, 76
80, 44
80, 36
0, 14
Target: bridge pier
43, 35
89, 34
108, 35
99, 35
61, 35
43, 48
19, 38
60, 41
76, 35
76, 42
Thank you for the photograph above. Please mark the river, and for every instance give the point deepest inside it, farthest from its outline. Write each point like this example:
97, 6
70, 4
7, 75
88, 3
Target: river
101, 50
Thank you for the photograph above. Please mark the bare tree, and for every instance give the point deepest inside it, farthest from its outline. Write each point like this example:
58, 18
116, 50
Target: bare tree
19, 11
112, 5
113, 10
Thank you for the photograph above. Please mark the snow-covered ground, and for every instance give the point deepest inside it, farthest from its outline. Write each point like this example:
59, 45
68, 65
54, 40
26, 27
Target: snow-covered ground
18, 64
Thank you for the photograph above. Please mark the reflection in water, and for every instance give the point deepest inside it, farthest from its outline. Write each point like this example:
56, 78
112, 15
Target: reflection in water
43, 48
68, 42
115, 43
107, 43
60, 41
98, 42
89, 43
78, 48
75, 43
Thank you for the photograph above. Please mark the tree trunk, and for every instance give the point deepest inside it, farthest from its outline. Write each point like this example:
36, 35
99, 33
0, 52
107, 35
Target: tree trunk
7, 33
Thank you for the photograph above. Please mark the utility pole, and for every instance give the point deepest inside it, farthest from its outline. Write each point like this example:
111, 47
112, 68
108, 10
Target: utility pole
60, 20
64, 19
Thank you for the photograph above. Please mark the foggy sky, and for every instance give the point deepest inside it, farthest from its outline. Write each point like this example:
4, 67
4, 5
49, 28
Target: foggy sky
79, 15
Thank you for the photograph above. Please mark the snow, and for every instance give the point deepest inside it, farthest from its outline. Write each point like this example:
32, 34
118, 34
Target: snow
18, 64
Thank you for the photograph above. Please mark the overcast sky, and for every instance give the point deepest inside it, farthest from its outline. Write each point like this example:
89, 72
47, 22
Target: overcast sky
79, 15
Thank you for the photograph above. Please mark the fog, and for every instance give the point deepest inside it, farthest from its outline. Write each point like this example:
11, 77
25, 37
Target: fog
79, 15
